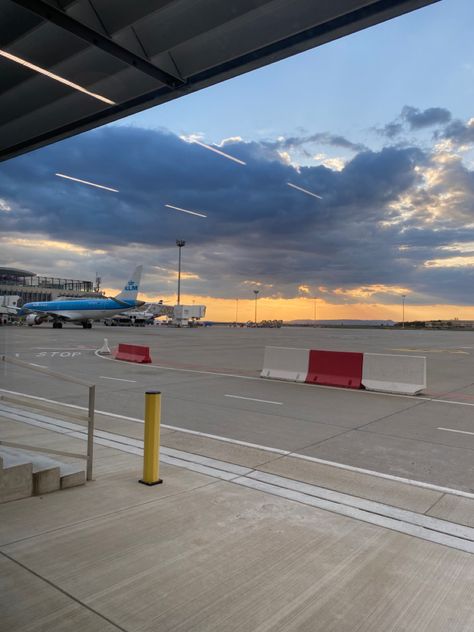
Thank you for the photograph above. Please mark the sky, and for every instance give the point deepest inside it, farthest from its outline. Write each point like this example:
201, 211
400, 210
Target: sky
379, 125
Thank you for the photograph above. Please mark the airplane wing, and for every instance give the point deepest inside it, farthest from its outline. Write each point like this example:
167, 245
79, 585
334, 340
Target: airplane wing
56, 315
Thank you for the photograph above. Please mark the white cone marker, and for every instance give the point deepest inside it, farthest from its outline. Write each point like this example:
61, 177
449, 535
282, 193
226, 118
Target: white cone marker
104, 350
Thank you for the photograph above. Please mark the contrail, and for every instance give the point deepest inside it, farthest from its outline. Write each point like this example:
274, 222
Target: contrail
91, 184
177, 208
304, 190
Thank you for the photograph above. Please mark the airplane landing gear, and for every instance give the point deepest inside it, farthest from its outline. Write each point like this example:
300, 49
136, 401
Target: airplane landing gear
57, 325
87, 325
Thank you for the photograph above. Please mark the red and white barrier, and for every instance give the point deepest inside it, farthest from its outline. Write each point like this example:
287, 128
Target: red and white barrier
133, 353
374, 371
281, 363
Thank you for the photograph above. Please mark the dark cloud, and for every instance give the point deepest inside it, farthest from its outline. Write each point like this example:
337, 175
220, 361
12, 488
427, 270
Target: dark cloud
321, 138
414, 119
418, 119
257, 228
391, 130
459, 132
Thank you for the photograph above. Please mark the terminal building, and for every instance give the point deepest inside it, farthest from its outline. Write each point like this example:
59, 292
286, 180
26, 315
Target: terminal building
31, 287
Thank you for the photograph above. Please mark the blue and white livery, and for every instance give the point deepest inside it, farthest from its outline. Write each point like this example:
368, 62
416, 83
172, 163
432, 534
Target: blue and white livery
84, 310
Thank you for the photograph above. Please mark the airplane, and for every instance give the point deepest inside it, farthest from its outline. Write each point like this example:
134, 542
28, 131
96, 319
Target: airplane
83, 311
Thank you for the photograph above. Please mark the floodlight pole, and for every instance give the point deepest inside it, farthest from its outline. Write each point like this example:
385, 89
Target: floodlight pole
256, 296
403, 310
180, 243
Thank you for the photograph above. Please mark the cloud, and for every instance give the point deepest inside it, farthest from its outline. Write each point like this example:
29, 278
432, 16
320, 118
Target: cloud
385, 216
390, 130
418, 119
320, 138
337, 164
460, 132
414, 119
4, 207
372, 290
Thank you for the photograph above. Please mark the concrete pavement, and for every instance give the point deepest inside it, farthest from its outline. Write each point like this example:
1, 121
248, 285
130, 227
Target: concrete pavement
201, 553
209, 378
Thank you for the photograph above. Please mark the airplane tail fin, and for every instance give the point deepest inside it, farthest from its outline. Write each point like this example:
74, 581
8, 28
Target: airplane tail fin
130, 290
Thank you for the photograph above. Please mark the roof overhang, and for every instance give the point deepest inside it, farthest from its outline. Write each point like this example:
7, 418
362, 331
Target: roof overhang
129, 56
16, 272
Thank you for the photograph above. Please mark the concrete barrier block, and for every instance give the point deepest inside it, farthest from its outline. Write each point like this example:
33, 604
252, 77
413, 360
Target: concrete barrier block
335, 368
284, 363
133, 353
394, 373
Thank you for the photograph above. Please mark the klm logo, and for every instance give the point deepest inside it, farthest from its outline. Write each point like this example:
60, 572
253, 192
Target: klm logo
131, 286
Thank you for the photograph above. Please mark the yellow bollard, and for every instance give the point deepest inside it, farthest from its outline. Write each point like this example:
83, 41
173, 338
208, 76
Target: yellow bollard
151, 447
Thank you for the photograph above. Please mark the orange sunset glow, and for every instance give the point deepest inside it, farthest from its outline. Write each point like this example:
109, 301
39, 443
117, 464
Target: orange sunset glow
303, 308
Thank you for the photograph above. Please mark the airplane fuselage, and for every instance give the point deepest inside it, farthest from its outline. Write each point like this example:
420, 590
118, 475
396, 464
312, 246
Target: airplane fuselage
81, 309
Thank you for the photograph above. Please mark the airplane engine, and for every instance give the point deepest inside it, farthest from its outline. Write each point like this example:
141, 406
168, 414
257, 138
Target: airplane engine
34, 319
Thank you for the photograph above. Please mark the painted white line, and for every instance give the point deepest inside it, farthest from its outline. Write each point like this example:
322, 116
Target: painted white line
458, 431
448, 401
253, 399
119, 379
41, 366
296, 455
198, 433
244, 444
389, 477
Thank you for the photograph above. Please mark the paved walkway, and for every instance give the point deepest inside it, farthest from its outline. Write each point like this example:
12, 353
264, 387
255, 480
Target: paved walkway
202, 553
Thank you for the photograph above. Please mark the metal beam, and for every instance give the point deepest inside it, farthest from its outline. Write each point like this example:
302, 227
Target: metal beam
92, 37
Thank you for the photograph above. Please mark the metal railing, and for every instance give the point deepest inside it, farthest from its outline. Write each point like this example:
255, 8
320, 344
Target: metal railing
49, 407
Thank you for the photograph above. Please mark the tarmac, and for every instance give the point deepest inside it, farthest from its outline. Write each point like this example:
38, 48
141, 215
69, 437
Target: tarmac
210, 382
330, 510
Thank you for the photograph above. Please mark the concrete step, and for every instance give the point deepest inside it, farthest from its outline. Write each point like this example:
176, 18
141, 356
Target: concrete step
46, 477
72, 475
16, 478
40, 474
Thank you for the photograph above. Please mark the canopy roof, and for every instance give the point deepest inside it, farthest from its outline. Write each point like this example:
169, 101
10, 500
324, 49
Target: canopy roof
135, 54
